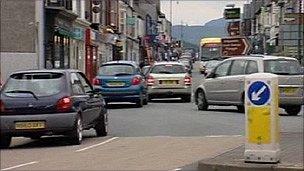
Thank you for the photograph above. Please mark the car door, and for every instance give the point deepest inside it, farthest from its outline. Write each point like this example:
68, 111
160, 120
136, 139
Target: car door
235, 81
93, 103
215, 86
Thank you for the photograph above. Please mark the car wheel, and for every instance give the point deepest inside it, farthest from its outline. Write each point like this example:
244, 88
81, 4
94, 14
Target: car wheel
146, 99
186, 98
77, 132
140, 101
201, 101
101, 126
293, 110
5, 141
241, 109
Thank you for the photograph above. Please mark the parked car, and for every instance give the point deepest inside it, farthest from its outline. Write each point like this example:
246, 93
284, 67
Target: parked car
225, 84
169, 79
205, 67
50, 102
122, 81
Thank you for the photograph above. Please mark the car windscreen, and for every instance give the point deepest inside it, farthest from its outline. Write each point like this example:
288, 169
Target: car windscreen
34, 84
168, 69
116, 70
282, 67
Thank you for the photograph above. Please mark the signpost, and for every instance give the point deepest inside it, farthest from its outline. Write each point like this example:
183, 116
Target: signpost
234, 28
235, 46
232, 13
262, 118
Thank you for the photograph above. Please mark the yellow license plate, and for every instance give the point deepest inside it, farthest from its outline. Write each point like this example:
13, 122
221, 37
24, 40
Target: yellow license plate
116, 84
169, 82
288, 90
30, 125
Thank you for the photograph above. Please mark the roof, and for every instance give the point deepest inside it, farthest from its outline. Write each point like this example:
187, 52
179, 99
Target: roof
264, 57
46, 71
169, 62
121, 62
210, 40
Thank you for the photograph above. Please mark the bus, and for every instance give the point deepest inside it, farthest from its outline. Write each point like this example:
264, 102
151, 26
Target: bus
210, 48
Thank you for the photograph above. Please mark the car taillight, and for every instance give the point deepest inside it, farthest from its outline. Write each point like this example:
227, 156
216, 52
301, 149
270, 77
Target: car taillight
64, 104
136, 80
96, 81
150, 80
188, 80
2, 107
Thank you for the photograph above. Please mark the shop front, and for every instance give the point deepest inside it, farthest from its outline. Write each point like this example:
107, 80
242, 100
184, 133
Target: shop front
91, 53
58, 34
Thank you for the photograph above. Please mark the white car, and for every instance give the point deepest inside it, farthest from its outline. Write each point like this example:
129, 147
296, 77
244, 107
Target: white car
169, 79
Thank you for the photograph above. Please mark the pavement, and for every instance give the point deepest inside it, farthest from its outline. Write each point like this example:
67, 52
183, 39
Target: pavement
291, 158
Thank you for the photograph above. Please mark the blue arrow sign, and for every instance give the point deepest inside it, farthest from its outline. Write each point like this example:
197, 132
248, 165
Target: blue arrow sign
258, 93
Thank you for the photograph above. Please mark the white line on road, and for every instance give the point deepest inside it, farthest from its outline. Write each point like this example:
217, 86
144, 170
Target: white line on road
95, 145
222, 136
21, 165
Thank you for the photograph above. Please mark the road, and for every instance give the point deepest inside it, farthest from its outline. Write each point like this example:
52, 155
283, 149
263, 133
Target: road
164, 135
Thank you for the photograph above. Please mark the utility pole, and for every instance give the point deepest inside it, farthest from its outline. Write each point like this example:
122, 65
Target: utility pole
39, 31
171, 11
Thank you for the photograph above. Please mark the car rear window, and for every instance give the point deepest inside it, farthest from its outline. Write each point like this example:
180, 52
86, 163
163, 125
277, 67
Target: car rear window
282, 67
116, 70
37, 84
168, 69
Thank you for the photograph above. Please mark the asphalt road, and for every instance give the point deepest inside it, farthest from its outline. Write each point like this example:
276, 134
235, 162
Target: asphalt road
167, 134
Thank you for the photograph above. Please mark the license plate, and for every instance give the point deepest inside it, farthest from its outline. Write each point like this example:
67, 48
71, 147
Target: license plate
169, 82
116, 84
30, 125
288, 90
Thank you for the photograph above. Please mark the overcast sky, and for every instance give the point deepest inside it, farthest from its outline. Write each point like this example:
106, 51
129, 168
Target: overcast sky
197, 12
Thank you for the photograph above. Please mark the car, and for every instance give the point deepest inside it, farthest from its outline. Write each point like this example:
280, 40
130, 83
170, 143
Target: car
225, 84
206, 66
146, 69
35, 103
187, 60
169, 79
122, 81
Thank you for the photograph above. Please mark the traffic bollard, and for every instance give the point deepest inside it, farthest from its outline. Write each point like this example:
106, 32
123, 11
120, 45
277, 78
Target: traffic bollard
262, 118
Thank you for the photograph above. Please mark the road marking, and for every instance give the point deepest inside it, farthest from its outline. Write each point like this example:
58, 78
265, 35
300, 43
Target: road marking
95, 145
21, 165
222, 136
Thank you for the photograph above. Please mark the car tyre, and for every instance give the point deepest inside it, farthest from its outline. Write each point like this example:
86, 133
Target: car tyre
140, 101
201, 101
293, 110
77, 132
146, 99
186, 98
101, 126
5, 141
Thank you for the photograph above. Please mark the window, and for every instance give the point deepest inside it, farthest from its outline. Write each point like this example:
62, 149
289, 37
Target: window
116, 69
222, 69
238, 67
282, 67
168, 69
87, 87
252, 67
76, 84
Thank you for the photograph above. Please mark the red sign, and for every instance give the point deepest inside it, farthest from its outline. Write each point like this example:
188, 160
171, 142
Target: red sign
234, 28
234, 46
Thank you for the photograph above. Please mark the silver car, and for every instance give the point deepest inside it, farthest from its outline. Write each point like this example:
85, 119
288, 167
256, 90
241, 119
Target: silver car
169, 79
225, 84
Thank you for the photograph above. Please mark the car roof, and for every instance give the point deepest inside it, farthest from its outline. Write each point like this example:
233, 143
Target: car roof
262, 57
121, 62
46, 71
169, 62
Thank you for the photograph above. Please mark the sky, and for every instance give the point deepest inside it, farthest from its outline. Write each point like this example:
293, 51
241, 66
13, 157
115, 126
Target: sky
197, 12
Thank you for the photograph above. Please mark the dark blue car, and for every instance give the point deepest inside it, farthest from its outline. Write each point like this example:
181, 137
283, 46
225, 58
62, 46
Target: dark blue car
122, 81
50, 102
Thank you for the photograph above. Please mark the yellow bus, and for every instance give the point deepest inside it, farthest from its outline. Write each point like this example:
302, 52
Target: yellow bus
210, 48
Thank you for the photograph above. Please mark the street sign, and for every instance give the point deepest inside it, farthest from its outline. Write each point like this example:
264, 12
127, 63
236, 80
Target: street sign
235, 46
259, 93
232, 13
234, 28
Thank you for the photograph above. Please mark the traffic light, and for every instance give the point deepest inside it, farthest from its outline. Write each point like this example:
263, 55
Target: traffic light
96, 9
